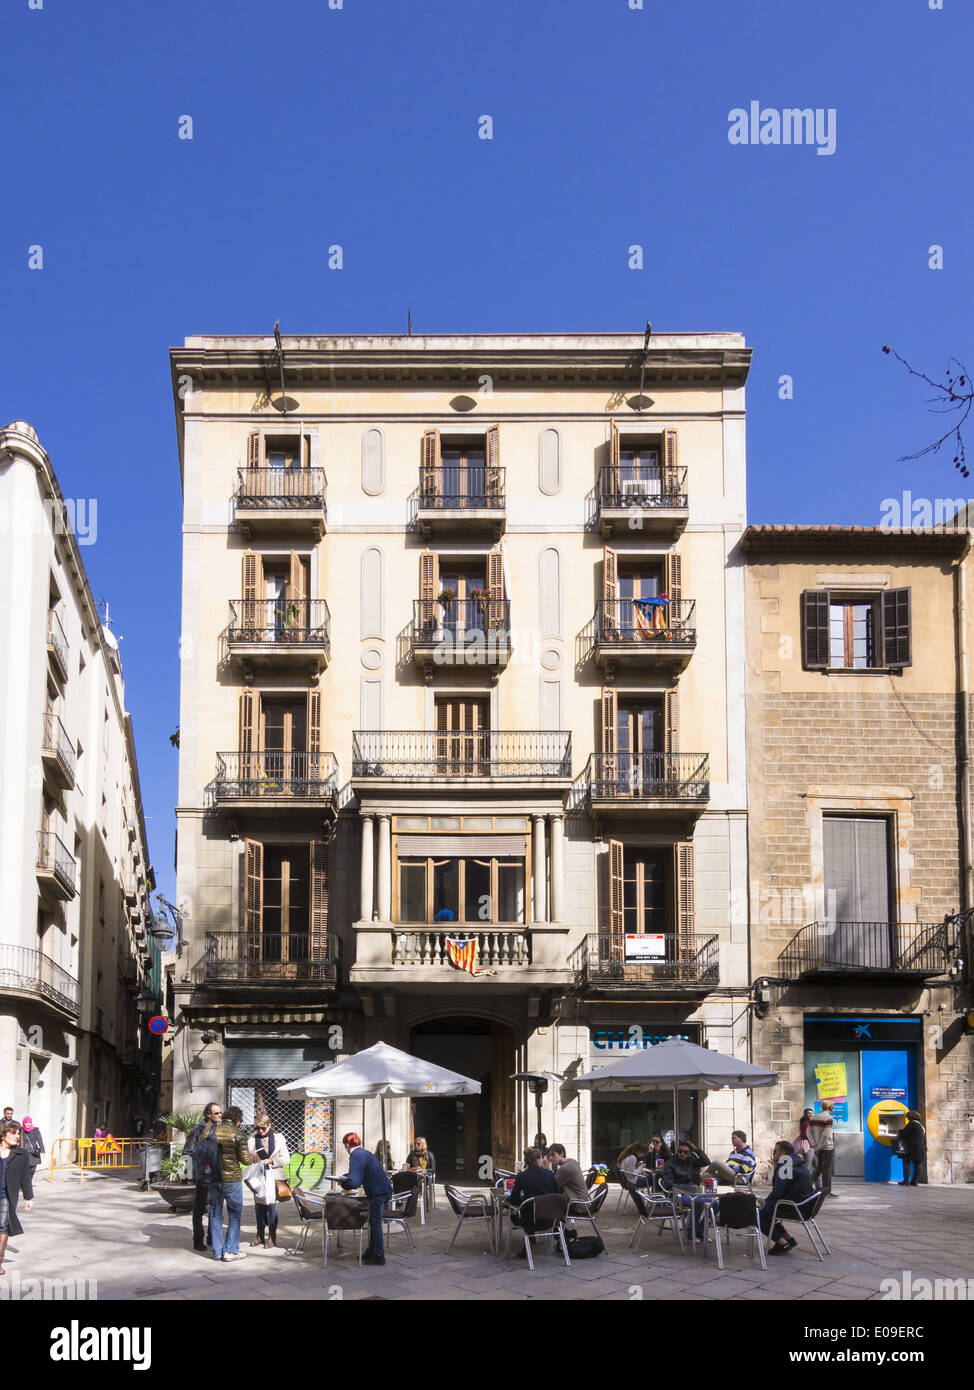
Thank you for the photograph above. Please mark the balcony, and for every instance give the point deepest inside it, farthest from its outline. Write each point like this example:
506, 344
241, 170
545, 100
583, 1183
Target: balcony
57, 752
437, 960
468, 501
268, 958
31, 972
666, 961
283, 635
643, 634
663, 784
462, 759
57, 648
271, 500
57, 871
908, 951
651, 503
466, 632
272, 778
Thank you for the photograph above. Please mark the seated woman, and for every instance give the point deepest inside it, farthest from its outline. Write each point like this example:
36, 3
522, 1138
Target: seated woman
420, 1157
384, 1154
631, 1161
657, 1150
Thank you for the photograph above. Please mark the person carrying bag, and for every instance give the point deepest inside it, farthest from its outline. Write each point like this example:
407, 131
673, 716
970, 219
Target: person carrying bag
266, 1179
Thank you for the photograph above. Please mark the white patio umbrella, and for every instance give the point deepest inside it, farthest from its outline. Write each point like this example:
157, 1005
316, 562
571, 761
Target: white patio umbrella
380, 1071
678, 1064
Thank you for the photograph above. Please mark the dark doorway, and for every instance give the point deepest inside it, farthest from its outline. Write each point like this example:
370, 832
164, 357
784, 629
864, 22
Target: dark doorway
463, 1131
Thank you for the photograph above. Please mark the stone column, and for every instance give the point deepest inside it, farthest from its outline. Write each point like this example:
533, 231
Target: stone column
557, 868
385, 869
368, 871
540, 876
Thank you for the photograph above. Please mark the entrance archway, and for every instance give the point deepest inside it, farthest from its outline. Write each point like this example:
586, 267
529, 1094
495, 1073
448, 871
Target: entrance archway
468, 1134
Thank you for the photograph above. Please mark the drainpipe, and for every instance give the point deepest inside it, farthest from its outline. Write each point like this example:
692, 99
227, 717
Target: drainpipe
965, 758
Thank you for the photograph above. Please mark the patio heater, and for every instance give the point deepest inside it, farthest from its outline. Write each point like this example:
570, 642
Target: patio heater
538, 1082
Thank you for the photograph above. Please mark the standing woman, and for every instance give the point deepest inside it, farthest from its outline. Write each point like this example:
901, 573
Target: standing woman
913, 1148
15, 1174
271, 1158
32, 1143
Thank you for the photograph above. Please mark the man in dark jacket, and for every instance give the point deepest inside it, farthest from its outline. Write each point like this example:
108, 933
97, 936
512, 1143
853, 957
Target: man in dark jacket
792, 1182
532, 1181
913, 1148
200, 1173
226, 1184
682, 1169
366, 1171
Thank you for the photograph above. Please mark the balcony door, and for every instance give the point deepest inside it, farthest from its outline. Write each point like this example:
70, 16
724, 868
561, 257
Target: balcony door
637, 731
651, 911
285, 910
640, 599
857, 891
463, 736
464, 475
467, 610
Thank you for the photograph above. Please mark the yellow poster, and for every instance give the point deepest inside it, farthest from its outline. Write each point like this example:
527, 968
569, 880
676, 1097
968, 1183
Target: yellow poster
830, 1080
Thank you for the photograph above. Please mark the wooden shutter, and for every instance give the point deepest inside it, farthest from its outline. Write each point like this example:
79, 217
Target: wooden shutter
815, 629
671, 720
673, 581
431, 479
495, 590
493, 459
294, 590
318, 953
253, 888
252, 584
894, 627
443, 723
314, 722
253, 449
613, 478
671, 461
617, 928
610, 574
247, 741
429, 576
685, 901
610, 741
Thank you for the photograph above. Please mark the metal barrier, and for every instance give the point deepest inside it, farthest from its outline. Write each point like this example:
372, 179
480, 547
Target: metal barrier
98, 1155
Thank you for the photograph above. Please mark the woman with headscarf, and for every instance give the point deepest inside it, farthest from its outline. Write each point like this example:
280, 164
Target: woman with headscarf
15, 1181
271, 1158
32, 1143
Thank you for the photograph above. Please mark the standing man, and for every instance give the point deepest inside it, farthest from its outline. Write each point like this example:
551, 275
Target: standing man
365, 1170
822, 1134
8, 1115
226, 1184
202, 1171
568, 1174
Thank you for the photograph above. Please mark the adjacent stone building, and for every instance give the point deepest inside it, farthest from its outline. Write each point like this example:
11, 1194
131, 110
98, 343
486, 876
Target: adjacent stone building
858, 739
79, 974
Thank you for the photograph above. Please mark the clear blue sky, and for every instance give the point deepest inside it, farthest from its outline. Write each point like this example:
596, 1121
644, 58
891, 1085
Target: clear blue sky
359, 127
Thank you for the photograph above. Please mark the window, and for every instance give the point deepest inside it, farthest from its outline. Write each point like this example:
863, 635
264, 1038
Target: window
856, 632
463, 736
467, 889
857, 890
287, 899
460, 471
645, 891
651, 908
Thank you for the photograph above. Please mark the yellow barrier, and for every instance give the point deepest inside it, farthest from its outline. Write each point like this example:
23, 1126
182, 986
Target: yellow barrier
97, 1155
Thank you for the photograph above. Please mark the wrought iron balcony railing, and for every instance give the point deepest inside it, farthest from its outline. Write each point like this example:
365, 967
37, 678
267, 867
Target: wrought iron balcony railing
642, 488
854, 948
24, 968
462, 623
298, 621
56, 741
275, 776
265, 957
646, 621
57, 641
282, 488
667, 959
634, 777
487, 753
462, 489
54, 857
430, 947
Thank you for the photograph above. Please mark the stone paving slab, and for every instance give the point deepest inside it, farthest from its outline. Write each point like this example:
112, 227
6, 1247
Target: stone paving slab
105, 1230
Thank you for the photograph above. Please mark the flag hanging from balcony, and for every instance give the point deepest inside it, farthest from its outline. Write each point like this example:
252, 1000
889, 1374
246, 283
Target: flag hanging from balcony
462, 952
650, 614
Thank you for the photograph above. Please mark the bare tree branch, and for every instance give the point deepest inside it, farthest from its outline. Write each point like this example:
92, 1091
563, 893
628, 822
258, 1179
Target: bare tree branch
952, 396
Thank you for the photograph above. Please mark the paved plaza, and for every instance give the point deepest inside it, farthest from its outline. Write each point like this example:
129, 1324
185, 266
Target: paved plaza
105, 1229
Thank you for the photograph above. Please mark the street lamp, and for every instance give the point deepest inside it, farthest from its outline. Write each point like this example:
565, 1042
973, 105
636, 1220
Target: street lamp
168, 925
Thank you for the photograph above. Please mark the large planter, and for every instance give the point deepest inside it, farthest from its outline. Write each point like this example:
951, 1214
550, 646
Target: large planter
180, 1195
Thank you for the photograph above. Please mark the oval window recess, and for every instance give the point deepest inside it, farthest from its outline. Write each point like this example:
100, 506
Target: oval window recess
549, 462
283, 404
463, 403
373, 462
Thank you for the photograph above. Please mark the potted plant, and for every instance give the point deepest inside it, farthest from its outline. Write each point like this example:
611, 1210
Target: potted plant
174, 1186
601, 1172
446, 597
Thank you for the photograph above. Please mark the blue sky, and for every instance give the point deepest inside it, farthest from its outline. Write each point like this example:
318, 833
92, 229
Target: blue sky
358, 126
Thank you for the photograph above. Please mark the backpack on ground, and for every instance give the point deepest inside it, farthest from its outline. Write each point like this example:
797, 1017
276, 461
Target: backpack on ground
584, 1247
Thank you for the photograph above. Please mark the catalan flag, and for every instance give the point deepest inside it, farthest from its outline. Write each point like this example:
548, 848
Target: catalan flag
650, 615
463, 953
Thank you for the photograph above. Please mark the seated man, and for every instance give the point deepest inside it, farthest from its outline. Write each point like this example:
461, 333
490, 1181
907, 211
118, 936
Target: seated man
792, 1182
532, 1181
682, 1169
741, 1162
568, 1173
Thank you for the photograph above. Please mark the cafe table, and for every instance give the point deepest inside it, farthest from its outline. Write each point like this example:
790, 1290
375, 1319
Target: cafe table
697, 1197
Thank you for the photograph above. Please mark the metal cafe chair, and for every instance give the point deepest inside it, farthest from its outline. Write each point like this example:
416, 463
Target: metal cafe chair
588, 1211
659, 1208
470, 1206
629, 1187
547, 1215
806, 1211
733, 1211
399, 1211
314, 1206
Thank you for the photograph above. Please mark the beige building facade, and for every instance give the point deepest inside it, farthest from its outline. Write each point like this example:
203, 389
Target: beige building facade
462, 761
79, 974
858, 749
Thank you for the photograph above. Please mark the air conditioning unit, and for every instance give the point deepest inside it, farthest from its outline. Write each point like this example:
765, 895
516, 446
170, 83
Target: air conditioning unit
640, 489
